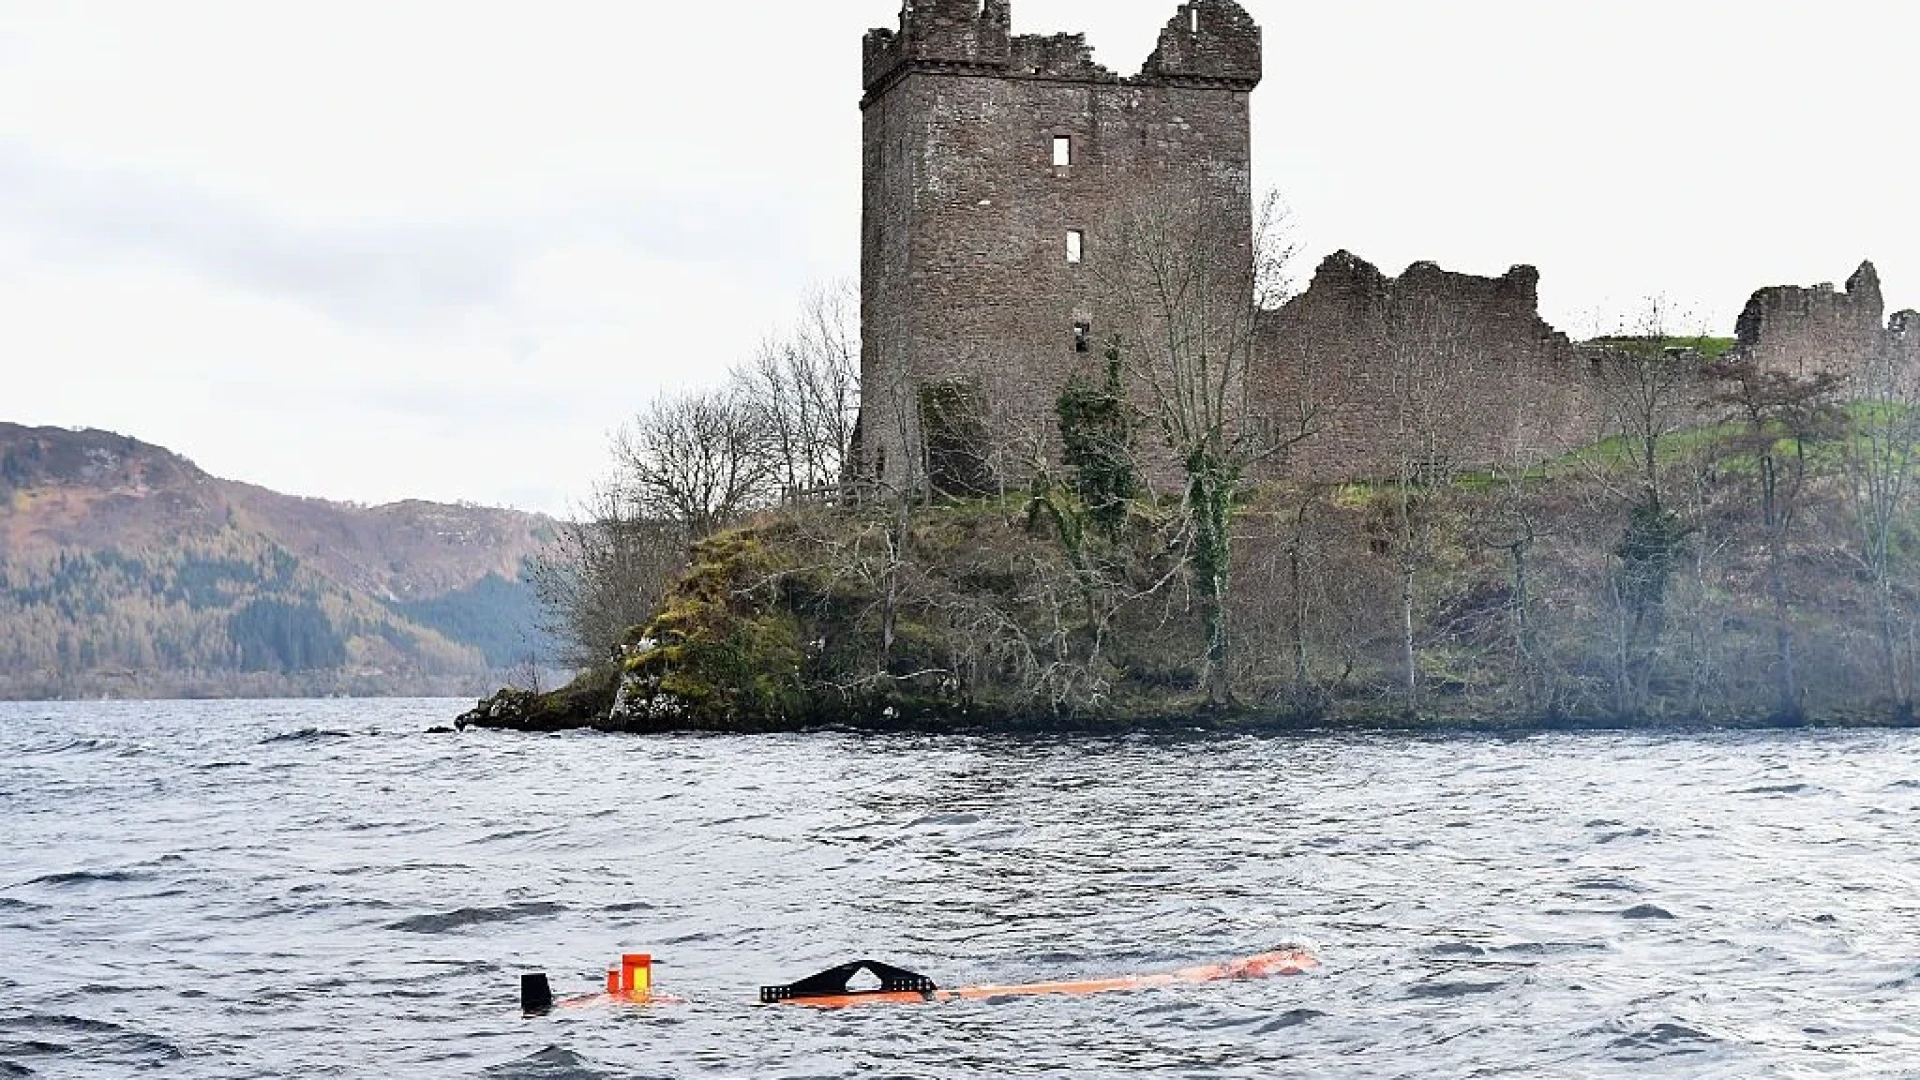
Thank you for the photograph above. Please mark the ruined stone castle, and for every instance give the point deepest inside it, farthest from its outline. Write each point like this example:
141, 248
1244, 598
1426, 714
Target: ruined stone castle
995, 165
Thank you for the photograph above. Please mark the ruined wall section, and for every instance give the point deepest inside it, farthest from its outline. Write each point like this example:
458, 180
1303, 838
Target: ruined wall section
1800, 330
966, 275
1439, 370
1208, 42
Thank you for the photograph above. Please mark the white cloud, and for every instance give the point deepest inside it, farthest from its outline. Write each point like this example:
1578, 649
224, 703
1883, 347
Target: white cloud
372, 249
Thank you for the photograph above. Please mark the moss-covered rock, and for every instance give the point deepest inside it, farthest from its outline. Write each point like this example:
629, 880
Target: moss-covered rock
723, 652
581, 703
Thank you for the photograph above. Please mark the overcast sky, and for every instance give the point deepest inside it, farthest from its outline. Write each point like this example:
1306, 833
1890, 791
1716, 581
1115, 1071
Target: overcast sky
379, 249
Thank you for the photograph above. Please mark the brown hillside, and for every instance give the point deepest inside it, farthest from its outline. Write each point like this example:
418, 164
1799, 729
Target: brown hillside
91, 490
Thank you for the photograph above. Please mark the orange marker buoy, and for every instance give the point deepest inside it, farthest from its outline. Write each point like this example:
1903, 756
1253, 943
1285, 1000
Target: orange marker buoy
636, 975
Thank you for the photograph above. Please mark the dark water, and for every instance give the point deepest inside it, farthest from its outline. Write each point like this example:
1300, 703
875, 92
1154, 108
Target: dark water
316, 889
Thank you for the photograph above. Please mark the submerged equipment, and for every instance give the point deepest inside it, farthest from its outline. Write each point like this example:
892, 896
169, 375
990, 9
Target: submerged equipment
632, 982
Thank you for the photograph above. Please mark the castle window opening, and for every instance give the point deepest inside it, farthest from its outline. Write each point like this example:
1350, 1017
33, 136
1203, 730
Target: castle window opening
1193, 15
1083, 337
1076, 245
1062, 151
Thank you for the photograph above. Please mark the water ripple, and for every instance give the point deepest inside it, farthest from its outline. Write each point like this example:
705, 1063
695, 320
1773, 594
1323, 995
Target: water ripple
446, 922
312, 889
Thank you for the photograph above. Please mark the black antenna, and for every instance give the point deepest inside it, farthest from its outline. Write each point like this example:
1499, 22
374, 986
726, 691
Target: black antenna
536, 995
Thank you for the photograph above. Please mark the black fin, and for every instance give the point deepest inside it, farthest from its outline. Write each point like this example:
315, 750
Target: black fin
833, 983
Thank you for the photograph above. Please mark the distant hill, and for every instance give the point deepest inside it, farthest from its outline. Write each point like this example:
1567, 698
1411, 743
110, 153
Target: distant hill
125, 570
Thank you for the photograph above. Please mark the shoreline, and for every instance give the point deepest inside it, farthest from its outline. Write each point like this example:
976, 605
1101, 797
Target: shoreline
570, 709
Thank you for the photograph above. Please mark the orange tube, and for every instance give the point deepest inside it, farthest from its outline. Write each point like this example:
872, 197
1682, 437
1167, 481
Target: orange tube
1263, 966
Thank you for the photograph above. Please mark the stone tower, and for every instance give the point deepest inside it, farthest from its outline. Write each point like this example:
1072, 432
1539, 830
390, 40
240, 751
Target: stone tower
992, 163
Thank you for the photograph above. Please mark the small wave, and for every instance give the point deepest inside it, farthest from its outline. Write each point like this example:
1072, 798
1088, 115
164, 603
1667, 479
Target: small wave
1646, 911
621, 909
1625, 834
1775, 789
101, 1038
1550, 948
91, 877
511, 834
70, 746
1456, 948
8, 903
444, 922
1452, 989
33, 1048
1605, 885
8, 1068
939, 821
553, 1063
305, 735
1664, 1038
1292, 1018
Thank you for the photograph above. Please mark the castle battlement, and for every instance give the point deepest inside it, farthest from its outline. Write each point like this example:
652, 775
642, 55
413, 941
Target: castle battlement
996, 168
1799, 330
1206, 43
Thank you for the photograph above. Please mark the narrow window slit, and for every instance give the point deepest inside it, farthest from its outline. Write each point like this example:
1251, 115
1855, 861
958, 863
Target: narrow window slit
1062, 151
1076, 245
1082, 337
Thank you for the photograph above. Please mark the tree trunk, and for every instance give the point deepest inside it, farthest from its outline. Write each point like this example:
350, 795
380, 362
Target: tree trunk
1410, 661
1297, 579
1412, 665
1772, 514
896, 553
1213, 538
1889, 650
1522, 667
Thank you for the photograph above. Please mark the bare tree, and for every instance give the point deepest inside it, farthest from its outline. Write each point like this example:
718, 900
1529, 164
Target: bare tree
1651, 387
698, 459
1188, 286
1781, 416
1429, 356
804, 390
605, 573
1880, 465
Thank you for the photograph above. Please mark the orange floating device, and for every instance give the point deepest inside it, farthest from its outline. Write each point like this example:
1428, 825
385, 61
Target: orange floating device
830, 989
636, 975
632, 983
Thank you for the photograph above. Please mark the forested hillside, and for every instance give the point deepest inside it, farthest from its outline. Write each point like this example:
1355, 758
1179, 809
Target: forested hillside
127, 571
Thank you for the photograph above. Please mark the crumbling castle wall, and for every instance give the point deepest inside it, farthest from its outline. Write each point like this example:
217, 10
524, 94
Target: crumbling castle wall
1432, 370
1799, 331
996, 168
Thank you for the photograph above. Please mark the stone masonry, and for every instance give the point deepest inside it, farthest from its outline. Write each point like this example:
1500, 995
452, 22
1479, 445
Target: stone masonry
1799, 331
992, 162
996, 164
1432, 369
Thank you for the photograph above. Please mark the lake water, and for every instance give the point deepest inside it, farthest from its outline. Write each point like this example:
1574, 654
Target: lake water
311, 889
